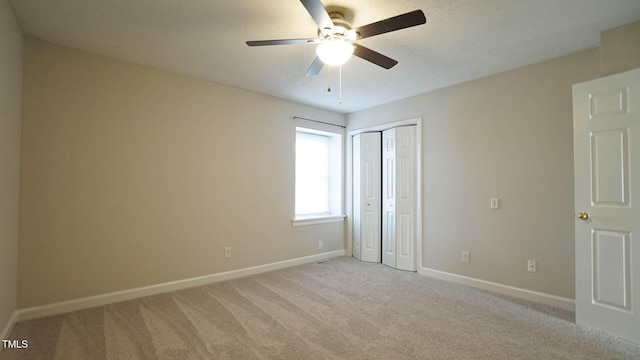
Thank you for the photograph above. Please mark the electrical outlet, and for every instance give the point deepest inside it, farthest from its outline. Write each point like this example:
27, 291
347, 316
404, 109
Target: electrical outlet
320, 245
227, 252
531, 266
465, 257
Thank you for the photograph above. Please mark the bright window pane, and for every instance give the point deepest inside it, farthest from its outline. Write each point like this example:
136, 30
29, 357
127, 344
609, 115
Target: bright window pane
312, 174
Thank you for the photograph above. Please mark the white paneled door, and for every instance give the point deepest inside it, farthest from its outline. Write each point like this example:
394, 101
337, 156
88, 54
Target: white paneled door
367, 181
389, 198
399, 198
607, 198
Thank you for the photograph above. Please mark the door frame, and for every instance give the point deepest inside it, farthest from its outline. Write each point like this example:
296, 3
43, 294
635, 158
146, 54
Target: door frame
349, 180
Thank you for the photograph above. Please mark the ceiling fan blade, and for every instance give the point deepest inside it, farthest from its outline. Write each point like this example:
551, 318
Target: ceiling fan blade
403, 21
374, 57
280, 42
318, 13
315, 67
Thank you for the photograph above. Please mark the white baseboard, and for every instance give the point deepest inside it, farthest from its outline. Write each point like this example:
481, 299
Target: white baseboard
552, 300
105, 299
6, 331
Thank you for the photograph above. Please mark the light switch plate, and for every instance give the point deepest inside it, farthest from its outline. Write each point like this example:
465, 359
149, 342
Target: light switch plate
495, 203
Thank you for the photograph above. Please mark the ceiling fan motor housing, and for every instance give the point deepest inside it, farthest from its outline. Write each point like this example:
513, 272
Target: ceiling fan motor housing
341, 29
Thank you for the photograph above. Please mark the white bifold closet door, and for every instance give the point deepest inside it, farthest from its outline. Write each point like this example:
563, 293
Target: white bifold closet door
367, 180
384, 203
399, 198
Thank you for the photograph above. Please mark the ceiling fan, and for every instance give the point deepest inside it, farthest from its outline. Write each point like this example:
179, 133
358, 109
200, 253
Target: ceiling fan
336, 37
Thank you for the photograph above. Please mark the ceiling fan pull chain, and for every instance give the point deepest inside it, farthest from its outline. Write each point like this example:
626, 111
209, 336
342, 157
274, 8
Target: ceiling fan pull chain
340, 85
329, 87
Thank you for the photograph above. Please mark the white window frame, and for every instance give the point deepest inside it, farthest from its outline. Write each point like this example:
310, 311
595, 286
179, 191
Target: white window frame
336, 173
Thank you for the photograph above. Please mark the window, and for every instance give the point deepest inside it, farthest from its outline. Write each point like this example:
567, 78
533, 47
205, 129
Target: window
312, 174
318, 182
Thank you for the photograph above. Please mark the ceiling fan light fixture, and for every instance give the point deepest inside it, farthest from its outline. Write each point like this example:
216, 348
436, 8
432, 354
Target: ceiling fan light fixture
335, 51
351, 35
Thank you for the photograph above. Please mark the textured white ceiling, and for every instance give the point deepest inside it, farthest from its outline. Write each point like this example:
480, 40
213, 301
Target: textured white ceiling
462, 40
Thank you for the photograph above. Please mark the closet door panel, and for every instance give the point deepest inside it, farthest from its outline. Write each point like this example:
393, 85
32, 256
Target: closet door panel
389, 229
367, 192
406, 198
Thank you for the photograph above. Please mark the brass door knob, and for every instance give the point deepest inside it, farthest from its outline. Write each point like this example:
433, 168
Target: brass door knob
583, 215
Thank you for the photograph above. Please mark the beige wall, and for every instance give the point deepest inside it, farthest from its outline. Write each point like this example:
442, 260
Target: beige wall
133, 176
507, 136
10, 113
620, 49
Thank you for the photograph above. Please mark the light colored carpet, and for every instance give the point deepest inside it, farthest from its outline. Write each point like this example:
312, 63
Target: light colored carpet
340, 309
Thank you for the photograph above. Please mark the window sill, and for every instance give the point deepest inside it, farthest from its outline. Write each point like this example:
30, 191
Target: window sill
317, 220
